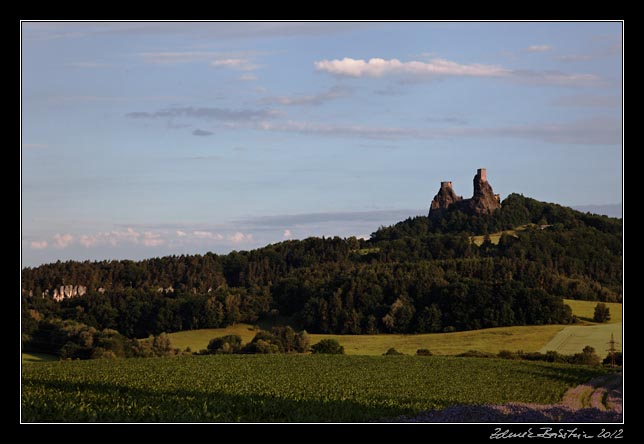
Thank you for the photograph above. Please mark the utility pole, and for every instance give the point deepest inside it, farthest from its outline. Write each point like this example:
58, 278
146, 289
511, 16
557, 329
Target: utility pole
611, 351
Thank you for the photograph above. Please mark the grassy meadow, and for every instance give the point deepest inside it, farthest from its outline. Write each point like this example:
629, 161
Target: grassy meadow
573, 338
494, 237
38, 357
529, 338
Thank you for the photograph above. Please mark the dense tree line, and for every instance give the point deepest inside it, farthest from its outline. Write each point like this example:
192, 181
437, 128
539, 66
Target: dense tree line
421, 275
70, 339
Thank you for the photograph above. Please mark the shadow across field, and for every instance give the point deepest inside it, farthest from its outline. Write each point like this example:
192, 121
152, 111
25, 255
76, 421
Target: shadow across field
597, 401
100, 402
282, 388
514, 412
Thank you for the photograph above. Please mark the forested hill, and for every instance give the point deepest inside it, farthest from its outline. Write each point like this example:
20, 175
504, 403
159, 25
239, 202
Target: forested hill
421, 275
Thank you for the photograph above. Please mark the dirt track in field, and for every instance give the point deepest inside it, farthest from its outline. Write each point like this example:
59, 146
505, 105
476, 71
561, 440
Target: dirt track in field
574, 338
599, 400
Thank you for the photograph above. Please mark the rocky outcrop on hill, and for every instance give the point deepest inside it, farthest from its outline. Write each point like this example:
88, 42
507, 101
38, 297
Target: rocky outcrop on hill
445, 197
71, 291
68, 291
484, 201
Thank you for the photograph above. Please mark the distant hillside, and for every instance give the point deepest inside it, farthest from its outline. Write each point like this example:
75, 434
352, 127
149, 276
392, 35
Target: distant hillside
610, 210
419, 275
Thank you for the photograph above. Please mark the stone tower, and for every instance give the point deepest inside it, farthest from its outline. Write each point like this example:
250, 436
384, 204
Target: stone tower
445, 197
483, 201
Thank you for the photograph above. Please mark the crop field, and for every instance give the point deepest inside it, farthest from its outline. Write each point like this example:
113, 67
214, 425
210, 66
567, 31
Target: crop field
282, 388
573, 338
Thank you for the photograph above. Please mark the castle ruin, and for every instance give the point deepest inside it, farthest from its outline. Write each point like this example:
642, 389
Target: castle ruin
483, 201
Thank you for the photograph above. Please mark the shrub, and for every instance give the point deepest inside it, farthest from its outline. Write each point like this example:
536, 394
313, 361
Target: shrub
392, 352
101, 353
423, 352
507, 354
289, 341
161, 345
553, 356
586, 357
264, 347
533, 356
225, 344
328, 346
70, 350
618, 359
475, 354
278, 340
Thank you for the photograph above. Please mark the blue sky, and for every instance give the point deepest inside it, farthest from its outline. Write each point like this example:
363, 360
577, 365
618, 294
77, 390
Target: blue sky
148, 139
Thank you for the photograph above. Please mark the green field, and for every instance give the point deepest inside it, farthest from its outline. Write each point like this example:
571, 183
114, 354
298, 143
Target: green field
527, 338
585, 310
38, 357
573, 338
281, 388
494, 237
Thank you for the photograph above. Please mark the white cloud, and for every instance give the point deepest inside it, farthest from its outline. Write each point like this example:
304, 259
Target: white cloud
207, 235
377, 67
130, 234
434, 68
149, 237
88, 240
240, 237
152, 239
539, 48
113, 238
63, 240
248, 77
287, 234
235, 63
39, 245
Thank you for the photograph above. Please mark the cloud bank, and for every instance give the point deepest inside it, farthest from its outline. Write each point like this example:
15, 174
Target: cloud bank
377, 67
145, 238
539, 48
206, 113
593, 131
